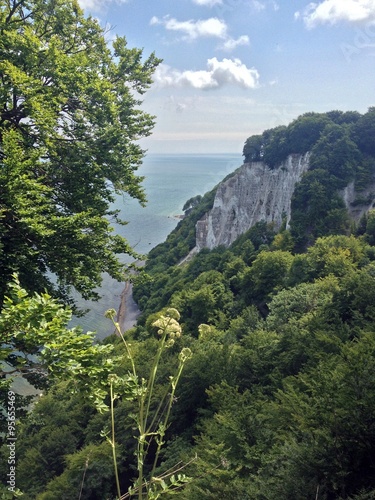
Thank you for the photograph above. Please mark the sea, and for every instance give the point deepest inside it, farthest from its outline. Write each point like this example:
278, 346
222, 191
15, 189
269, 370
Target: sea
169, 181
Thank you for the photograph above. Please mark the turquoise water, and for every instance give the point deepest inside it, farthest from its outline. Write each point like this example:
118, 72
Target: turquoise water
170, 180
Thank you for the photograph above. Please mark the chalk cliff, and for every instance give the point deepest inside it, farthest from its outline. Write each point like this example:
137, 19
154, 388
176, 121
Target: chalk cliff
254, 193
356, 203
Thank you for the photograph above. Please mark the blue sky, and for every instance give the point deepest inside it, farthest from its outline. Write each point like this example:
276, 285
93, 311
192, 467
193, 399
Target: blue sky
233, 68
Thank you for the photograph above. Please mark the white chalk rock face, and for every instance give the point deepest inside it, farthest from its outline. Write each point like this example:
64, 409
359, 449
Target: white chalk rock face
253, 194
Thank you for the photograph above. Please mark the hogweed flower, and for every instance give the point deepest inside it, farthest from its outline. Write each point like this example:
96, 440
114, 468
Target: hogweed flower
173, 313
185, 354
204, 331
110, 313
168, 325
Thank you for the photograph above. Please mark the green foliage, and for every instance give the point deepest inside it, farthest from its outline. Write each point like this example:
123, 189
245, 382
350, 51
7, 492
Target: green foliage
267, 273
53, 430
267, 398
305, 131
275, 148
54, 433
299, 137
300, 302
69, 121
317, 210
252, 150
340, 152
208, 293
151, 424
364, 132
327, 425
370, 227
88, 475
364, 176
336, 154
191, 203
277, 401
37, 344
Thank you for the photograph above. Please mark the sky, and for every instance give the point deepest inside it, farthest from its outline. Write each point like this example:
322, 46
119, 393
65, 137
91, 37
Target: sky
234, 68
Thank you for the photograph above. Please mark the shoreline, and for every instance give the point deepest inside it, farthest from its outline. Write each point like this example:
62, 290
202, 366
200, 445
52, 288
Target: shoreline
128, 311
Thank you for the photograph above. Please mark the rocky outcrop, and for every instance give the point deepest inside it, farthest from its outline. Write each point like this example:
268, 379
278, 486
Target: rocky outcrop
254, 193
356, 203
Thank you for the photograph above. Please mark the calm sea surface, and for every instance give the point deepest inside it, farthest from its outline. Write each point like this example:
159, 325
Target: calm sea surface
170, 180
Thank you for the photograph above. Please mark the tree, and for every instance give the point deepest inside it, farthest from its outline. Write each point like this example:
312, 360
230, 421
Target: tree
305, 131
275, 147
336, 255
364, 132
325, 419
370, 227
69, 123
36, 343
268, 273
252, 150
204, 301
54, 428
337, 154
89, 474
191, 203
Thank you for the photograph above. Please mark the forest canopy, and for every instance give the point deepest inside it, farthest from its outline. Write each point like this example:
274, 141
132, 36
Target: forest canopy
277, 400
341, 150
274, 145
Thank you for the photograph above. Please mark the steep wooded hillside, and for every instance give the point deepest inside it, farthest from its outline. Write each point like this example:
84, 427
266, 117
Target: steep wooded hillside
317, 176
277, 398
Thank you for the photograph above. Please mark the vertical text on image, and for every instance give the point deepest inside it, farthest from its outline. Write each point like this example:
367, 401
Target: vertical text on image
11, 441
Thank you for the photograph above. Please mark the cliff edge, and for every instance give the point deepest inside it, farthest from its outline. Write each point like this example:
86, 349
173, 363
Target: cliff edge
254, 193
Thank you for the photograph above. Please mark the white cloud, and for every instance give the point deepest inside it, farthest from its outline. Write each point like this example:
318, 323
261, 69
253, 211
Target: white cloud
209, 3
211, 27
217, 74
334, 11
231, 44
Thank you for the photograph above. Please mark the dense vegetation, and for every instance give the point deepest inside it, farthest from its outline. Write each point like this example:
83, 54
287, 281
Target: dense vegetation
277, 401
69, 122
341, 147
278, 398
276, 334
